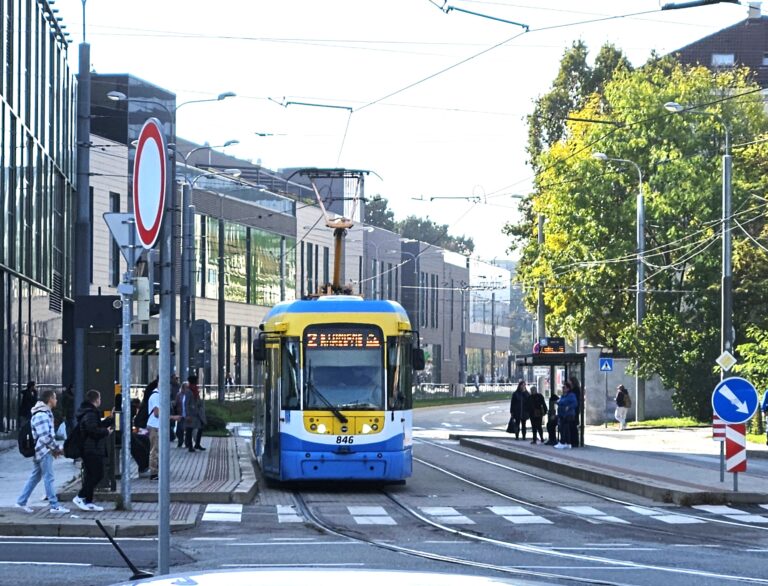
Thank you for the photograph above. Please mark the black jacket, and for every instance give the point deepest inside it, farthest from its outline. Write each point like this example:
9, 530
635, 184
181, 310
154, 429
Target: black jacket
94, 431
518, 406
537, 406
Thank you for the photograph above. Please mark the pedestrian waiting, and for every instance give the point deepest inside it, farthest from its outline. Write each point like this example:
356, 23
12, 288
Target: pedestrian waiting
46, 449
552, 420
567, 407
537, 409
93, 432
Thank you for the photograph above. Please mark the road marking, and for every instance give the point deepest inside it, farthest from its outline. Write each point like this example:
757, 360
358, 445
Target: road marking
278, 544
447, 515
291, 565
44, 564
670, 519
519, 515
594, 513
731, 513
224, 513
371, 516
288, 514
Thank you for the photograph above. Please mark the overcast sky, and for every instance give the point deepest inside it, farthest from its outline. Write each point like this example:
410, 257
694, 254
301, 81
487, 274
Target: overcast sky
432, 102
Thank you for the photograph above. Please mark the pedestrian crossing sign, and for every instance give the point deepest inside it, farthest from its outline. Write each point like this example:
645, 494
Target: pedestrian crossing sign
606, 365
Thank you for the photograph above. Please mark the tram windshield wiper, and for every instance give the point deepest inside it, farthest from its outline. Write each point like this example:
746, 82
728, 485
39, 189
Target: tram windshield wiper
313, 389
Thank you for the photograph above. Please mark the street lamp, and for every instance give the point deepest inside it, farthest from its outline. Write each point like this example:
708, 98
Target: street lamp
726, 306
640, 272
187, 254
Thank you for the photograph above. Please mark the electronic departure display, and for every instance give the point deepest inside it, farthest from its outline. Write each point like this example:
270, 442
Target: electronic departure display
340, 338
552, 345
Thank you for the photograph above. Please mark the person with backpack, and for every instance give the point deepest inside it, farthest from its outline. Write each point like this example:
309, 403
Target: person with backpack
623, 403
46, 449
93, 431
537, 409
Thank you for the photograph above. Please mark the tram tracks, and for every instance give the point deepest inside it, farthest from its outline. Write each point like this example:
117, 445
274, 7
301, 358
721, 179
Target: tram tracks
570, 487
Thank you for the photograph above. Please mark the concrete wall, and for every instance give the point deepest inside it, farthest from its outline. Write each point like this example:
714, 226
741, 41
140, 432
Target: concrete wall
600, 404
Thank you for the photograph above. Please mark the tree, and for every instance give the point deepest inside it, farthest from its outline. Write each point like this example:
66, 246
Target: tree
588, 259
428, 231
377, 213
575, 82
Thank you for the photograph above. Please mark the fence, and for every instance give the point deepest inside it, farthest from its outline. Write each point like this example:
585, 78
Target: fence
437, 391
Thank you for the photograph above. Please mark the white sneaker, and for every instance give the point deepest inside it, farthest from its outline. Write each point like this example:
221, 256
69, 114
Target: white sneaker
25, 508
59, 509
92, 507
566, 446
559, 446
80, 504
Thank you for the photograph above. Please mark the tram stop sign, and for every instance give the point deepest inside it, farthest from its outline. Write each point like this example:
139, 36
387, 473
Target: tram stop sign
734, 400
149, 179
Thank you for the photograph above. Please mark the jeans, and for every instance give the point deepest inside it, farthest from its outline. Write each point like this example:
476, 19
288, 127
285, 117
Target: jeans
43, 469
154, 445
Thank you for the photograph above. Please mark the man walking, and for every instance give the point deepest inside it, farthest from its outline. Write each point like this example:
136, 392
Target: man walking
94, 430
623, 403
153, 426
46, 449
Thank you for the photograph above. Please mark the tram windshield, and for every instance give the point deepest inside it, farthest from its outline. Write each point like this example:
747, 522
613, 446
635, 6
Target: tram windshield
343, 367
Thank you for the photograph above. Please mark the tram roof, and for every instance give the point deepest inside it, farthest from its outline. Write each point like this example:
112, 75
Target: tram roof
337, 304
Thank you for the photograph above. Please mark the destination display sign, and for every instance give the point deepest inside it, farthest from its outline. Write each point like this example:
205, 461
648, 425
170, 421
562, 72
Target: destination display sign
552, 344
351, 338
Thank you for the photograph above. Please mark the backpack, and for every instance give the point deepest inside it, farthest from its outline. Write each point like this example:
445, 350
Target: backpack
627, 400
26, 440
142, 416
73, 445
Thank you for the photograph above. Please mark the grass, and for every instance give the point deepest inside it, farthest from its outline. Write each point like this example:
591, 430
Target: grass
668, 422
444, 400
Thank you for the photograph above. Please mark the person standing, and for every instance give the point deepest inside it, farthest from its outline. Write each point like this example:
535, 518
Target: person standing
518, 409
153, 426
567, 408
574, 423
94, 430
46, 449
537, 408
195, 416
552, 419
622, 406
68, 407
27, 400
764, 409
175, 388
180, 409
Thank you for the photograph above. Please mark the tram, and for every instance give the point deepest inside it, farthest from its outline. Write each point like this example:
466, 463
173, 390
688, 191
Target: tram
336, 400
335, 397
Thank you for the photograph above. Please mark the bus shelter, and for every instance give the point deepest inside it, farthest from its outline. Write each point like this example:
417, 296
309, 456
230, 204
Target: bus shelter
550, 370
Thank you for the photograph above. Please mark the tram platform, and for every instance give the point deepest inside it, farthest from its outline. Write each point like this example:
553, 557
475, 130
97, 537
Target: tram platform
222, 474
680, 466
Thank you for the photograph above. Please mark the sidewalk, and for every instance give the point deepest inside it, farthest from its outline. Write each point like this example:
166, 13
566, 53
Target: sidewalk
221, 474
679, 466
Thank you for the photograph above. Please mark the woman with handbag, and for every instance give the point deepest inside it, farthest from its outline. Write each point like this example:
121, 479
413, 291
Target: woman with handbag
518, 410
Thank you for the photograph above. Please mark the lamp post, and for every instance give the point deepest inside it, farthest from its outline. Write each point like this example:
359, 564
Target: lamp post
640, 272
187, 256
726, 305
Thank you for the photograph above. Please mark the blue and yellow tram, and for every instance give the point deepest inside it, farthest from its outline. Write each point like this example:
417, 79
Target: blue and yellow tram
336, 397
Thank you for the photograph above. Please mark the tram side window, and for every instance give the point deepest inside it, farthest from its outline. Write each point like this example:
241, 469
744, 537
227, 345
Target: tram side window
399, 373
290, 374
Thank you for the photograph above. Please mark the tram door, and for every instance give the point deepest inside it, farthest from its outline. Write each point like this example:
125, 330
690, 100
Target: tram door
271, 413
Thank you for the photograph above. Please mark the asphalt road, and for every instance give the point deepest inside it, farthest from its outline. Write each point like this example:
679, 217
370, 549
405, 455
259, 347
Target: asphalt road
462, 512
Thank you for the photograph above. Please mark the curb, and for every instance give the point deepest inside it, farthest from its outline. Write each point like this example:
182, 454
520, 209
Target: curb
248, 486
645, 487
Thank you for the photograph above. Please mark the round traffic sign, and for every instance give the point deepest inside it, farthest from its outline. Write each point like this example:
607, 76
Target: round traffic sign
734, 400
149, 178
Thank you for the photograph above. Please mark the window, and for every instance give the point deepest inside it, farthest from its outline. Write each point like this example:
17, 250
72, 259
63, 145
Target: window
723, 59
399, 372
291, 374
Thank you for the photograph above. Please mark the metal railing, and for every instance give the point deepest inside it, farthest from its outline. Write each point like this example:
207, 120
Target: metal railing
439, 390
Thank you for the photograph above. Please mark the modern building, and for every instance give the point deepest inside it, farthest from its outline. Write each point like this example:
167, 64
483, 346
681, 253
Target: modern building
37, 146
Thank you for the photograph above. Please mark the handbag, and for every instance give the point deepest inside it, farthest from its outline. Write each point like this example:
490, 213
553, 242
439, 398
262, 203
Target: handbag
513, 426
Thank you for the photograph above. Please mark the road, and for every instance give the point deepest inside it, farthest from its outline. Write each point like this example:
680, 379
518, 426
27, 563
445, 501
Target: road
462, 512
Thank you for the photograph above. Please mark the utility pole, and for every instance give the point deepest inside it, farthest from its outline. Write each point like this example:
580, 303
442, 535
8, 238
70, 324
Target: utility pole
185, 289
82, 269
493, 336
540, 325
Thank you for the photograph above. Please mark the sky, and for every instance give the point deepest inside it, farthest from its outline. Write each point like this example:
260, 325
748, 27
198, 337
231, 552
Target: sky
433, 103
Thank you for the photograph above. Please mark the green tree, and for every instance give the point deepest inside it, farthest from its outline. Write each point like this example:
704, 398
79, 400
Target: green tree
377, 213
575, 82
588, 259
428, 231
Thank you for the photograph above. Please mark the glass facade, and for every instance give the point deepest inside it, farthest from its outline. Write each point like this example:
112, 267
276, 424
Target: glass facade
37, 162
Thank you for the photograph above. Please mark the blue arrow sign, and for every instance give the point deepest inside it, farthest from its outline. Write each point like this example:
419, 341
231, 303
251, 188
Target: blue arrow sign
734, 400
606, 365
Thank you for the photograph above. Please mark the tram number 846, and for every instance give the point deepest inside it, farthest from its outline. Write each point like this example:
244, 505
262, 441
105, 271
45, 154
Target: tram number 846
345, 439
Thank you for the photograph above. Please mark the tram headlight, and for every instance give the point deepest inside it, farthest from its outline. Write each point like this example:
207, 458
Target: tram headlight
366, 428
375, 427
321, 428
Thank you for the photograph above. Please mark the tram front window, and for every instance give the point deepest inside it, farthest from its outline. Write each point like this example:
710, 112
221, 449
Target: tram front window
343, 369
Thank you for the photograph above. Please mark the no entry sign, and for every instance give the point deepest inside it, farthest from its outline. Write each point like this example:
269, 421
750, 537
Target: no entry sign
149, 179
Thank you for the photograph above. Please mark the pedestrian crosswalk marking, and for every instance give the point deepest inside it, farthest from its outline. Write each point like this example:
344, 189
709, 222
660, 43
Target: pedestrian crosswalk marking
447, 515
519, 516
225, 513
288, 514
731, 513
596, 514
665, 518
371, 516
